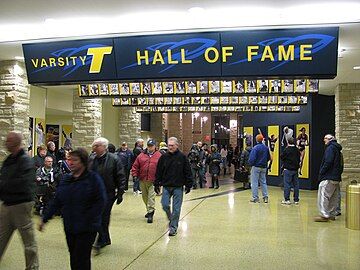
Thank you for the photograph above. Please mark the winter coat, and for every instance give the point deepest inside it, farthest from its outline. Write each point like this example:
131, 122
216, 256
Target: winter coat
332, 164
145, 166
259, 156
125, 158
214, 161
291, 158
244, 158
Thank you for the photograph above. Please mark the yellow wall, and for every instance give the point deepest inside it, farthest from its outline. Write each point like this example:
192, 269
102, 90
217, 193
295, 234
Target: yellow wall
37, 102
60, 99
110, 122
59, 120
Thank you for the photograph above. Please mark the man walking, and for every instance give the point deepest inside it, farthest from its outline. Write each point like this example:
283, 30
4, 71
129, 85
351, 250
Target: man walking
125, 156
109, 167
139, 145
144, 168
258, 159
17, 187
173, 173
291, 162
331, 168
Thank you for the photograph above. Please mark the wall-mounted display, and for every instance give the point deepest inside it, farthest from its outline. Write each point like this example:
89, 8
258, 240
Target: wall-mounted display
156, 88
263, 86
214, 87
203, 87
262, 99
180, 88
146, 88
191, 87
124, 89
275, 86
287, 86
114, 89
313, 86
234, 100
226, 87
303, 143
250, 86
103, 89
168, 88
253, 100
300, 86
93, 90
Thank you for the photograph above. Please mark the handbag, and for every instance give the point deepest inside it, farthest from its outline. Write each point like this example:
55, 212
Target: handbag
241, 176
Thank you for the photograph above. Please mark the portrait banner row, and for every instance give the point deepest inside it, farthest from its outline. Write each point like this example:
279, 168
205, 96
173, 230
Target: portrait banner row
233, 87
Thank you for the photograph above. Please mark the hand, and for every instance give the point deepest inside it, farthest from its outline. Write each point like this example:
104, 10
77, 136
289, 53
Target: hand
119, 199
157, 189
187, 190
135, 178
41, 226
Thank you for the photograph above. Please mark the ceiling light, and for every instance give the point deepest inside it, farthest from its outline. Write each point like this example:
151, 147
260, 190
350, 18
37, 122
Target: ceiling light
356, 67
19, 58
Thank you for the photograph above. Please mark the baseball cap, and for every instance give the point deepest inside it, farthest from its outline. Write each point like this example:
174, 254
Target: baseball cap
151, 142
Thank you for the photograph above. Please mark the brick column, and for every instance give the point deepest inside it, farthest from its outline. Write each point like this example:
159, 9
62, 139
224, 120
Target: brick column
347, 123
206, 128
196, 128
187, 136
174, 126
14, 102
157, 131
87, 117
233, 129
129, 126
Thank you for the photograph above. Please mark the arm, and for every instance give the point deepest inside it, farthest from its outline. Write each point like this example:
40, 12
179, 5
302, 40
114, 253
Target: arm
135, 169
188, 174
55, 205
328, 161
120, 176
99, 197
159, 170
252, 157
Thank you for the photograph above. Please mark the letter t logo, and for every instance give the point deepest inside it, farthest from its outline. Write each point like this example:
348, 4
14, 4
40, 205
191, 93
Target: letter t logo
97, 57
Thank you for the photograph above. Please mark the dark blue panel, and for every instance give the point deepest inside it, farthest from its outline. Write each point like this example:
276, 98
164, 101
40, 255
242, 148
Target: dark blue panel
324, 43
71, 62
194, 46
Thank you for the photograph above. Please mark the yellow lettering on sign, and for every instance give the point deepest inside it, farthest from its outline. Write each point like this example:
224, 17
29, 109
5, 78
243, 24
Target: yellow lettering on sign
61, 62
267, 54
226, 51
286, 54
73, 58
207, 55
170, 60
35, 62
140, 57
158, 58
43, 63
304, 52
98, 57
52, 62
251, 52
183, 57
83, 59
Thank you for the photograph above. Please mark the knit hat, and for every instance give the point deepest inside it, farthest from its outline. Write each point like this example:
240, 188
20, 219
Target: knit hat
162, 144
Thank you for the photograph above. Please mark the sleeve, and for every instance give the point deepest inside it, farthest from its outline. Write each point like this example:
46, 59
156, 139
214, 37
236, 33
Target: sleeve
328, 160
54, 206
129, 161
159, 172
187, 173
99, 197
135, 169
283, 155
120, 175
24, 175
252, 157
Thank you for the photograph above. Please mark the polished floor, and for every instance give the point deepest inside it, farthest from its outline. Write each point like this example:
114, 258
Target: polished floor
219, 229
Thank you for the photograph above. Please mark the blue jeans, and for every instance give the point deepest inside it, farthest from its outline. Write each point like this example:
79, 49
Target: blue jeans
258, 175
136, 185
174, 216
291, 179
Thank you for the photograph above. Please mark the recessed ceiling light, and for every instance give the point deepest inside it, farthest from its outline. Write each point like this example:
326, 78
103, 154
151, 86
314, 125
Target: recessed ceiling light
356, 67
19, 57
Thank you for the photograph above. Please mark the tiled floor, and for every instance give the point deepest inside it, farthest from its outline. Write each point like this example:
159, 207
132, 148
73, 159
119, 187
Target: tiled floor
219, 229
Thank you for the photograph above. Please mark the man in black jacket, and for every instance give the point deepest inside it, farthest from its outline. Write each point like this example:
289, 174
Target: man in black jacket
110, 169
331, 168
291, 162
17, 188
173, 173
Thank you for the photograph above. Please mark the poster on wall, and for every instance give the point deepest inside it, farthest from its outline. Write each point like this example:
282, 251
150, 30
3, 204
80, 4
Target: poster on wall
52, 134
263, 132
39, 132
66, 136
302, 142
248, 136
274, 147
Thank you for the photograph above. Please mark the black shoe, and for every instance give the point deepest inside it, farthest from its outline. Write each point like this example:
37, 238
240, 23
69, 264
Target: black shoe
216, 187
172, 233
147, 215
150, 217
211, 187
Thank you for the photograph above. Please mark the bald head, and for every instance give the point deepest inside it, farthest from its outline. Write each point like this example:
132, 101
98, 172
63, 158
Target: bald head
13, 142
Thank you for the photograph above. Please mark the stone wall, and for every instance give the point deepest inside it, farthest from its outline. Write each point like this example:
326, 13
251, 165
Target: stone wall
87, 117
157, 131
129, 126
347, 122
14, 102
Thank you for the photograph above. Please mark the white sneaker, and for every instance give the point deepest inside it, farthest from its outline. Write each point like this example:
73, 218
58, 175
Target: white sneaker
296, 203
139, 192
286, 202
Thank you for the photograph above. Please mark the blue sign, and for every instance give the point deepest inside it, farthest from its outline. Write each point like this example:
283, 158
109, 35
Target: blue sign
310, 52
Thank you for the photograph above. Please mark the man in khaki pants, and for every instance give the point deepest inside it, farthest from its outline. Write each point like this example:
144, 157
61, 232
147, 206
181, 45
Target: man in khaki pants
17, 184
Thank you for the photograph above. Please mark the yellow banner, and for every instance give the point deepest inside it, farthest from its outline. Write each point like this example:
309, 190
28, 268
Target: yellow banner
273, 144
66, 131
248, 134
303, 141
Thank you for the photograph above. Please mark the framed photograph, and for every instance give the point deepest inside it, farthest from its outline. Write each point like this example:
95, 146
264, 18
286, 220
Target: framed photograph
271, 108
287, 86
214, 87
262, 99
243, 100
116, 102
224, 100
191, 87
168, 100
234, 100
203, 87
103, 89
83, 90
226, 87
302, 100
264, 108
135, 89
161, 109
134, 101
125, 101
154, 109
250, 86
238, 87
142, 101
124, 89
300, 86
214, 100
191, 109
146, 88
272, 99
292, 100
280, 108
253, 100
187, 100
205, 100
156, 88
168, 88
180, 87
263, 86
159, 101
177, 100
255, 108
207, 109
93, 90
313, 86
214, 109
296, 108
275, 86
282, 100
230, 109
168, 109
52, 134
288, 108
196, 101
151, 101
114, 89
176, 109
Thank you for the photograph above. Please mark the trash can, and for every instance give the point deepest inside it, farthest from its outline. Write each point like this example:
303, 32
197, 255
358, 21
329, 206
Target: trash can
353, 206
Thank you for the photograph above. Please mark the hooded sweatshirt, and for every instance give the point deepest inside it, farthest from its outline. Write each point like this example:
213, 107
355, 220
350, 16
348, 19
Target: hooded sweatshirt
332, 163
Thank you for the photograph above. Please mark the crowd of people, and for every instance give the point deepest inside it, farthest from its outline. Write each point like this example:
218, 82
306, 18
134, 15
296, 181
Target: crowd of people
82, 188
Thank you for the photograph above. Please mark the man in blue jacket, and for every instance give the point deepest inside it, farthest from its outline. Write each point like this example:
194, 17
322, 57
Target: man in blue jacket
331, 169
258, 160
125, 156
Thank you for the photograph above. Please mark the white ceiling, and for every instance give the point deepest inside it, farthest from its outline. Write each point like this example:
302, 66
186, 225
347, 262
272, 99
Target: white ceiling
24, 20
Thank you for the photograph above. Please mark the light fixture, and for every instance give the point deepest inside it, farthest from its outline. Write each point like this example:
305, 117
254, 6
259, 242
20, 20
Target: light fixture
19, 58
196, 115
204, 119
356, 68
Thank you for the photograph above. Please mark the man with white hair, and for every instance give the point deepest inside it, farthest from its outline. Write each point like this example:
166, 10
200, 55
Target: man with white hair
110, 169
173, 173
331, 168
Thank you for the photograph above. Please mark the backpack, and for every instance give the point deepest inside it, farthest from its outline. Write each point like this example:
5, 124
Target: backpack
194, 156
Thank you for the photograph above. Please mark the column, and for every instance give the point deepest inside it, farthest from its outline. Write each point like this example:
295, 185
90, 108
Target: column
196, 129
187, 135
129, 126
347, 125
206, 128
156, 126
174, 126
87, 121
14, 102
233, 129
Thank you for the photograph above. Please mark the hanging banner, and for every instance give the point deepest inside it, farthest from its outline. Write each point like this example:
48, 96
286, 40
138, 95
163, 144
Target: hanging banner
273, 144
302, 142
305, 52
